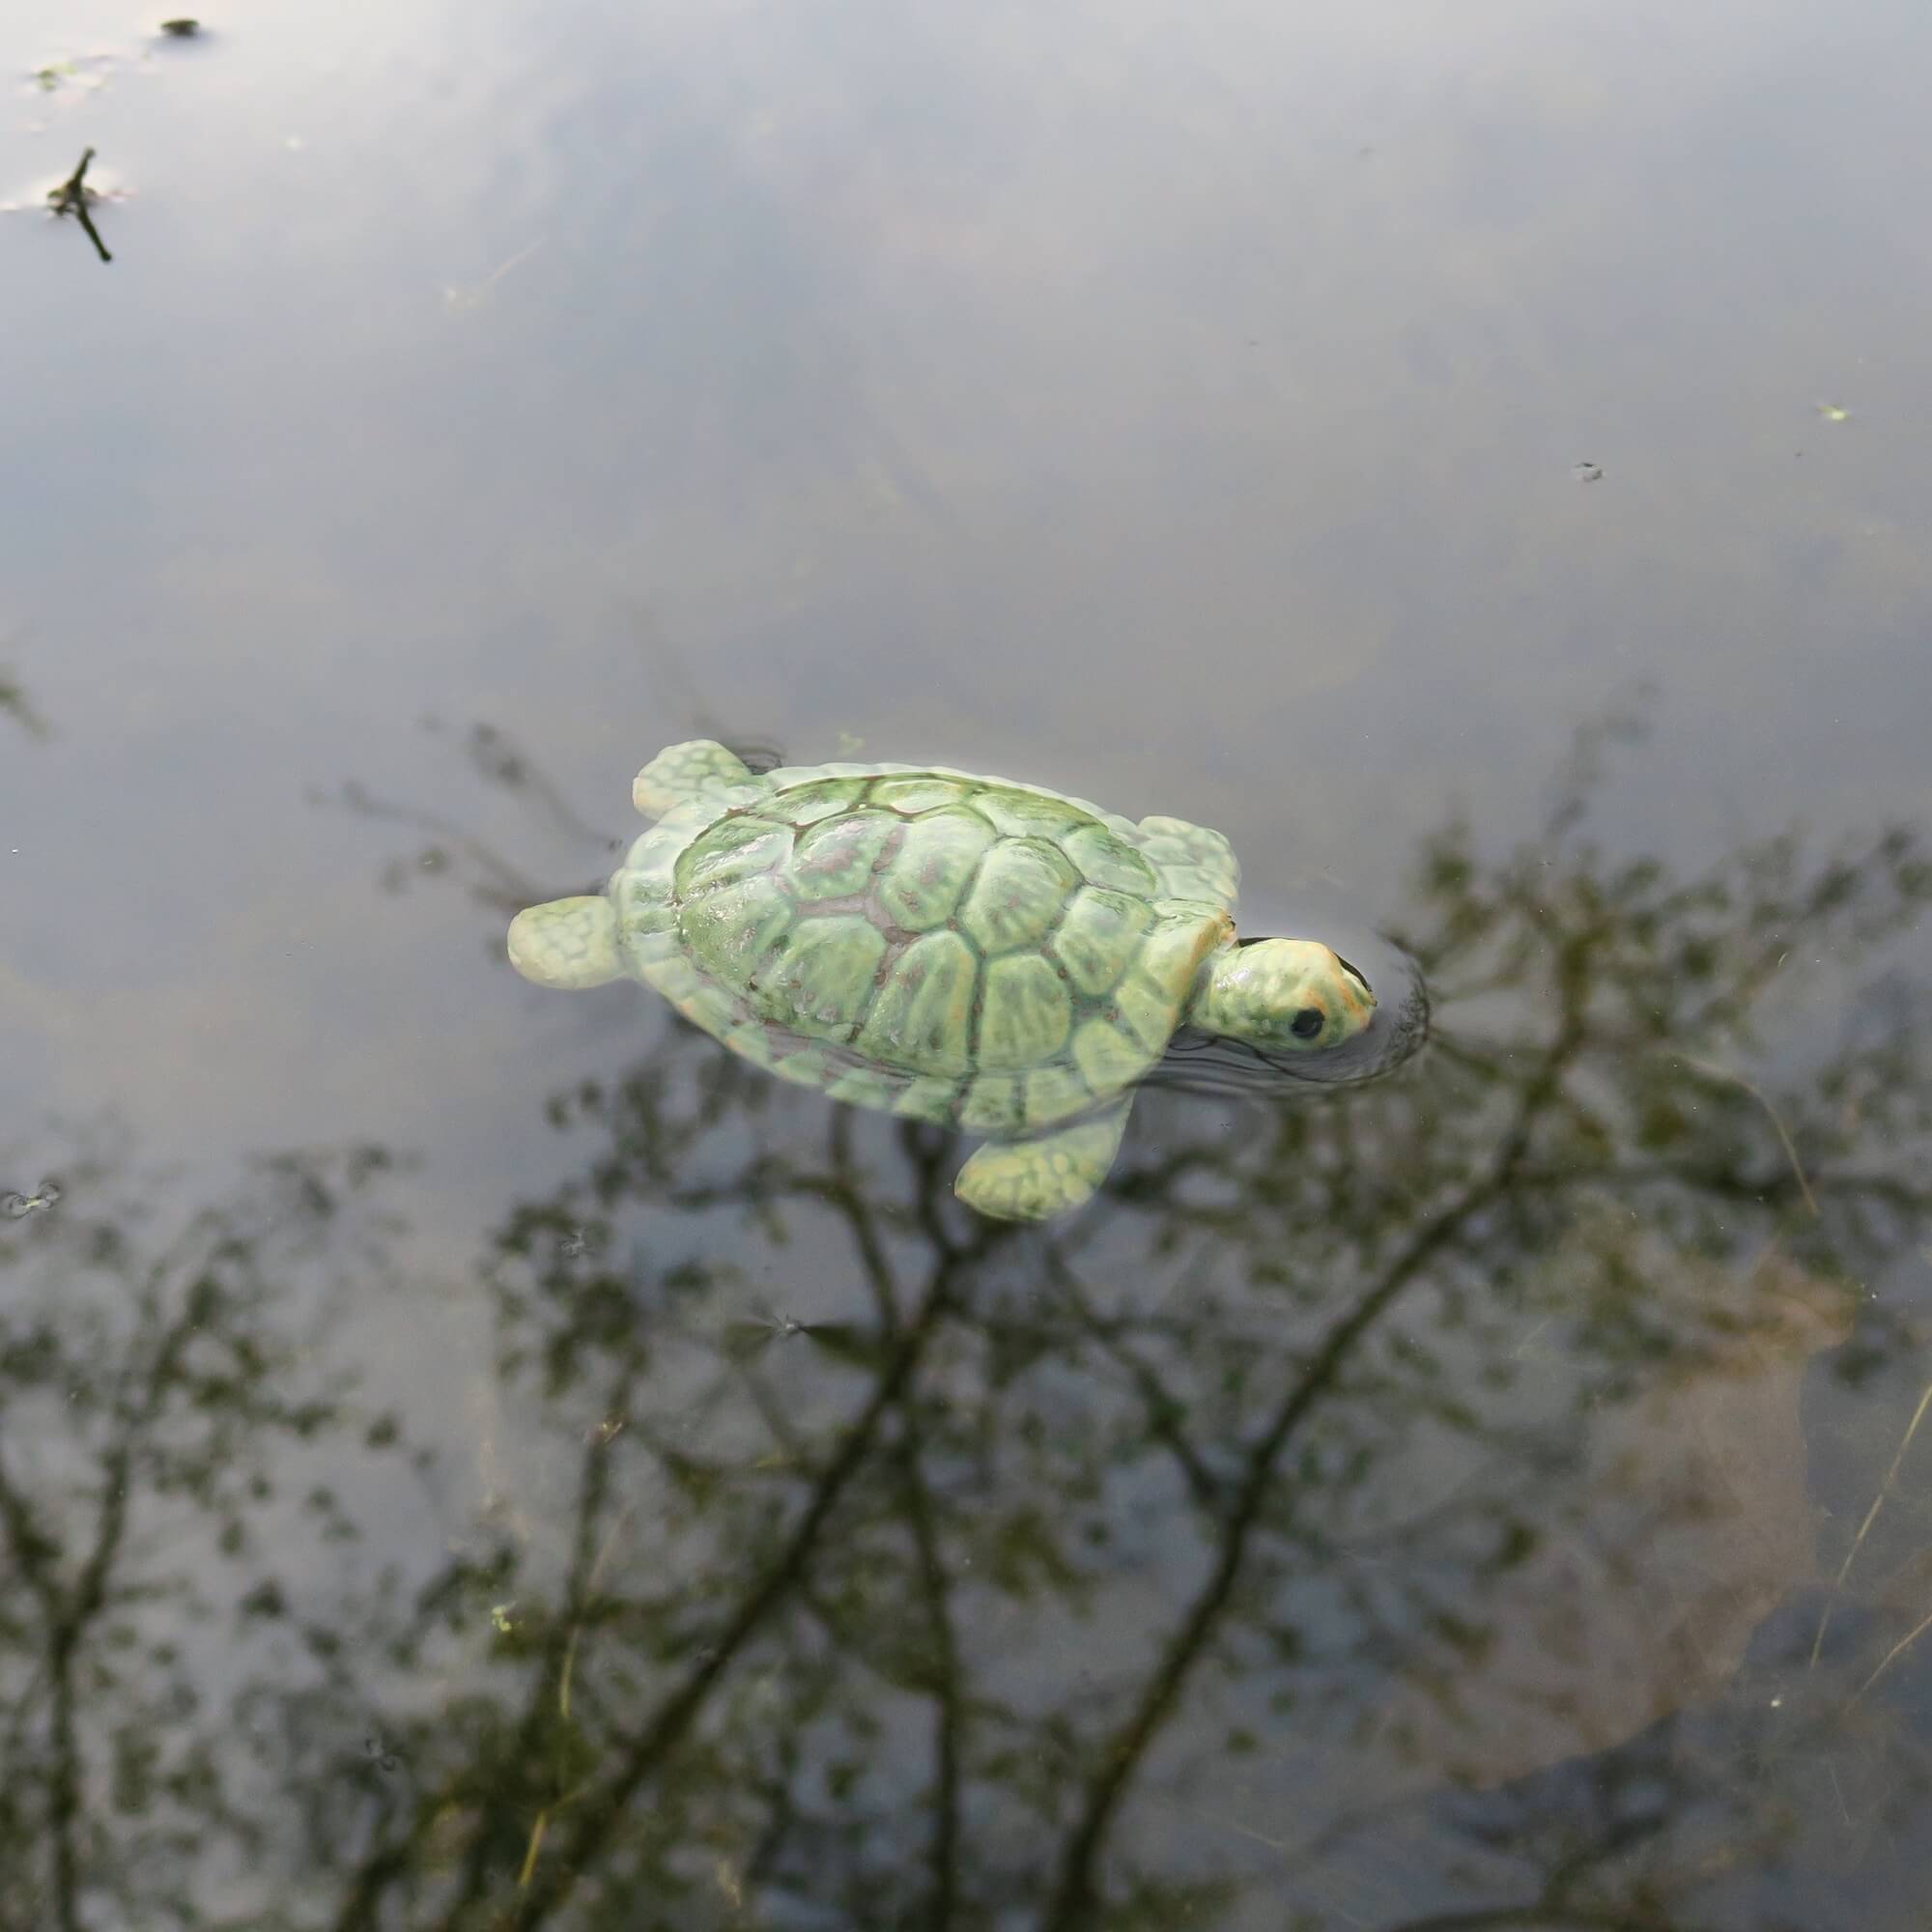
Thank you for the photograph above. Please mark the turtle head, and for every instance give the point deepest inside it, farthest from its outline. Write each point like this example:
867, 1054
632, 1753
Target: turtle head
1282, 995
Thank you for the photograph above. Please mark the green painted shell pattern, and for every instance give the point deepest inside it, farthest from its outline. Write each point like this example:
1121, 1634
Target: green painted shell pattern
959, 950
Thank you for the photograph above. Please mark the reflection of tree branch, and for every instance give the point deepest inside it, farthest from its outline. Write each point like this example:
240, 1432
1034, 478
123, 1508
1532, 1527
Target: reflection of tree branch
850, 1198
548, 1713
13, 703
173, 1369
1163, 1410
946, 1672
602, 1804
1541, 1919
1122, 1754
1726, 1077
502, 887
69, 1622
877, 1525
500, 761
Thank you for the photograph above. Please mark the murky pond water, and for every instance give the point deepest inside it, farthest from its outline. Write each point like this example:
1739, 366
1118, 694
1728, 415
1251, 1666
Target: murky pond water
472, 1458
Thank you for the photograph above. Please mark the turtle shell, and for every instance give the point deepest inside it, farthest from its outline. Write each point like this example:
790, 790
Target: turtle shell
964, 951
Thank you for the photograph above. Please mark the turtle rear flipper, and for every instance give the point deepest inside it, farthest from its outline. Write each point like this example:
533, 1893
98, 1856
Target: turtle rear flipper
681, 772
1194, 863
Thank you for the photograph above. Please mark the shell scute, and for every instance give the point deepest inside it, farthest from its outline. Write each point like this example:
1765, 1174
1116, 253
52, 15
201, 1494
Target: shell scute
1026, 1014
863, 1087
1172, 953
922, 1015
917, 794
995, 1103
836, 857
1098, 937
1107, 860
1145, 1012
731, 930
730, 851
1108, 1058
1055, 1093
923, 884
822, 981
821, 798
1026, 814
928, 1099
1020, 890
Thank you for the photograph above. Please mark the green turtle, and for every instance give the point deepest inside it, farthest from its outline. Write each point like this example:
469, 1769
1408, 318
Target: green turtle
966, 950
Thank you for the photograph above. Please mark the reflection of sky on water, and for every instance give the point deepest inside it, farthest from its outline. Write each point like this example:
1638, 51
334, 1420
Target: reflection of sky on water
1178, 406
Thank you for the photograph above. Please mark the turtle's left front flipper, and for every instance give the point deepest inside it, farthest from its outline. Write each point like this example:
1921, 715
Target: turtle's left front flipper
568, 943
1194, 862
1051, 1174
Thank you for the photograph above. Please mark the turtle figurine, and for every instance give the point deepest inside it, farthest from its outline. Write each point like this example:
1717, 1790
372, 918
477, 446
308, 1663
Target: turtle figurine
966, 950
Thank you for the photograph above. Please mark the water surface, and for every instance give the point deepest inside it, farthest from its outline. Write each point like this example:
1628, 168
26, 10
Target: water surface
471, 1458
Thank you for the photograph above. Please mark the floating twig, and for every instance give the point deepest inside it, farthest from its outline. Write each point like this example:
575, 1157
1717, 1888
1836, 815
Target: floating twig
1891, 1656
72, 197
1858, 1541
1712, 1071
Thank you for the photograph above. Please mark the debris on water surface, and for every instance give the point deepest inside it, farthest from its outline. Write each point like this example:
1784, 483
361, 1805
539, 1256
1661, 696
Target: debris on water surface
77, 74
1587, 472
18, 1206
183, 29
1832, 413
74, 197
463, 297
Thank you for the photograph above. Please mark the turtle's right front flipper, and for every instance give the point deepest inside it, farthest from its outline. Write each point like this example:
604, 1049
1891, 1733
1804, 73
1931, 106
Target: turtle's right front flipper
1051, 1174
681, 772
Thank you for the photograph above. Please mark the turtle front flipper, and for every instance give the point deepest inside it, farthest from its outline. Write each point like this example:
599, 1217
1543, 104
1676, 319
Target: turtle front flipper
681, 772
1051, 1174
1195, 863
568, 943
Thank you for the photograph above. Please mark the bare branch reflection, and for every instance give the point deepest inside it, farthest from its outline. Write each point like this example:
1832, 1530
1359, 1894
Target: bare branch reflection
1396, 1513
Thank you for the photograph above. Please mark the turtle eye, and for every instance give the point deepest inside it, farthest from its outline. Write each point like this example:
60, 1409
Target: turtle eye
1307, 1023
